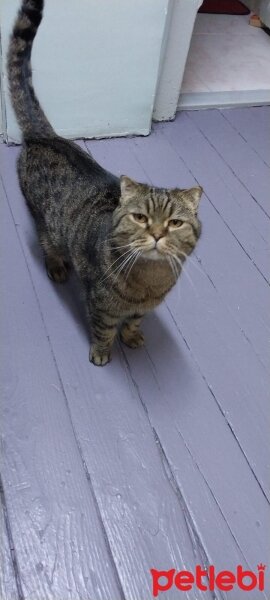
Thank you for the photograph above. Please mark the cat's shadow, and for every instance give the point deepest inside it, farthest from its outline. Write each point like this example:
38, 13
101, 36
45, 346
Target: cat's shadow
69, 293
160, 345
163, 350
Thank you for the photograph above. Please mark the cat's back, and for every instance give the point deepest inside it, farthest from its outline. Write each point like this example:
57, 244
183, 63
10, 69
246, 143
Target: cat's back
58, 168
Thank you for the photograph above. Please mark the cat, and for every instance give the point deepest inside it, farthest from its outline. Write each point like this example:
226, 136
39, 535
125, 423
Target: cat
127, 241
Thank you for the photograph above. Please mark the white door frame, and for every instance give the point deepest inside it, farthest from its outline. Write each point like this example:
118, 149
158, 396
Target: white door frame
179, 28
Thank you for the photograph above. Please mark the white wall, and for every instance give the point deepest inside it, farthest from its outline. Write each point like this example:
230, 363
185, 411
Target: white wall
95, 64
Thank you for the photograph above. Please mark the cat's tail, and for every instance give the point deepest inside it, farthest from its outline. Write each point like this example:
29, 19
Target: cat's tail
29, 113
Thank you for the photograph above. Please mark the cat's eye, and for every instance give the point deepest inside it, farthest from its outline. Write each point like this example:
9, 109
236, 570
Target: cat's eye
139, 217
175, 223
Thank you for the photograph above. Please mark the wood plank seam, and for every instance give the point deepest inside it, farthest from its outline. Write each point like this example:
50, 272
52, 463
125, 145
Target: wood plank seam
220, 144
87, 473
105, 536
217, 504
227, 307
219, 406
194, 534
200, 551
265, 239
13, 555
229, 166
243, 138
253, 125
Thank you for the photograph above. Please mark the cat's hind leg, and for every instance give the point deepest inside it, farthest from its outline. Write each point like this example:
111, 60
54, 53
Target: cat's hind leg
57, 266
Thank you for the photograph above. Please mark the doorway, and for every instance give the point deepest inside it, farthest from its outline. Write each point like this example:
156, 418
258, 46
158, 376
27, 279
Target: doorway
227, 64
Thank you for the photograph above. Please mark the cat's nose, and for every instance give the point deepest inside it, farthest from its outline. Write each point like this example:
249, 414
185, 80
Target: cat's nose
157, 235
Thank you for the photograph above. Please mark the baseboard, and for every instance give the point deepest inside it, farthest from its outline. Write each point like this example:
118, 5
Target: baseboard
196, 100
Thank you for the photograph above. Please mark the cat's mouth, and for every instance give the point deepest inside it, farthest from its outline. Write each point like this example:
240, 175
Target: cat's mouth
155, 250
154, 254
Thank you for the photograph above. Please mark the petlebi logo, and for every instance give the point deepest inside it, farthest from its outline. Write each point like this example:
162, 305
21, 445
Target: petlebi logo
208, 579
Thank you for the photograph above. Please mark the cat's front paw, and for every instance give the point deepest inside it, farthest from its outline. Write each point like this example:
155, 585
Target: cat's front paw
133, 339
99, 357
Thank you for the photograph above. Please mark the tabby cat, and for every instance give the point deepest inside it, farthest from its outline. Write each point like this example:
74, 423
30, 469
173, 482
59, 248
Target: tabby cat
127, 241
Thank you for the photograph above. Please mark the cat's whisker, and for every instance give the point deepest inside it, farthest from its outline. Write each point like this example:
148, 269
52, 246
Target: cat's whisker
178, 261
123, 265
131, 245
186, 273
118, 247
110, 267
175, 273
177, 270
172, 256
138, 253
127, 262
169, 258
192, 261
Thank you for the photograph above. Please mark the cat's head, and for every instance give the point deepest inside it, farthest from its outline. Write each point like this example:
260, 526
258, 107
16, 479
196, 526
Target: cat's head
158, 222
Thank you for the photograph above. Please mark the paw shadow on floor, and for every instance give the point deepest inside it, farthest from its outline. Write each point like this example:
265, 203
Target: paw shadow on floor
69, 293
164, 356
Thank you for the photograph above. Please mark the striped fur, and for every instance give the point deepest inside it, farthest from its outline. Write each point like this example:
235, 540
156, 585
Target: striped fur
29, 113
127, 241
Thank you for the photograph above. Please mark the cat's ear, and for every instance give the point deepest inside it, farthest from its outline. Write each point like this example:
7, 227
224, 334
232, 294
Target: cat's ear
191, 197
194, 196
127, 185
129, 188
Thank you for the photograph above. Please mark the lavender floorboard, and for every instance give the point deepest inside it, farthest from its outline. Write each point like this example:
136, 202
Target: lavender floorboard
172, 438
8, 586
262, 117
254, 126
232, 204
223, 259
240, 157
115, 155
110, 152
59, 542
144, 526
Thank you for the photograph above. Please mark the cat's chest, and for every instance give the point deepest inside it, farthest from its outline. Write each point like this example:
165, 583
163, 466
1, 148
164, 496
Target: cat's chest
151, 281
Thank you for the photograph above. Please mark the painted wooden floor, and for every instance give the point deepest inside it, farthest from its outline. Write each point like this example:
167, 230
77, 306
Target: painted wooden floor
161, 459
